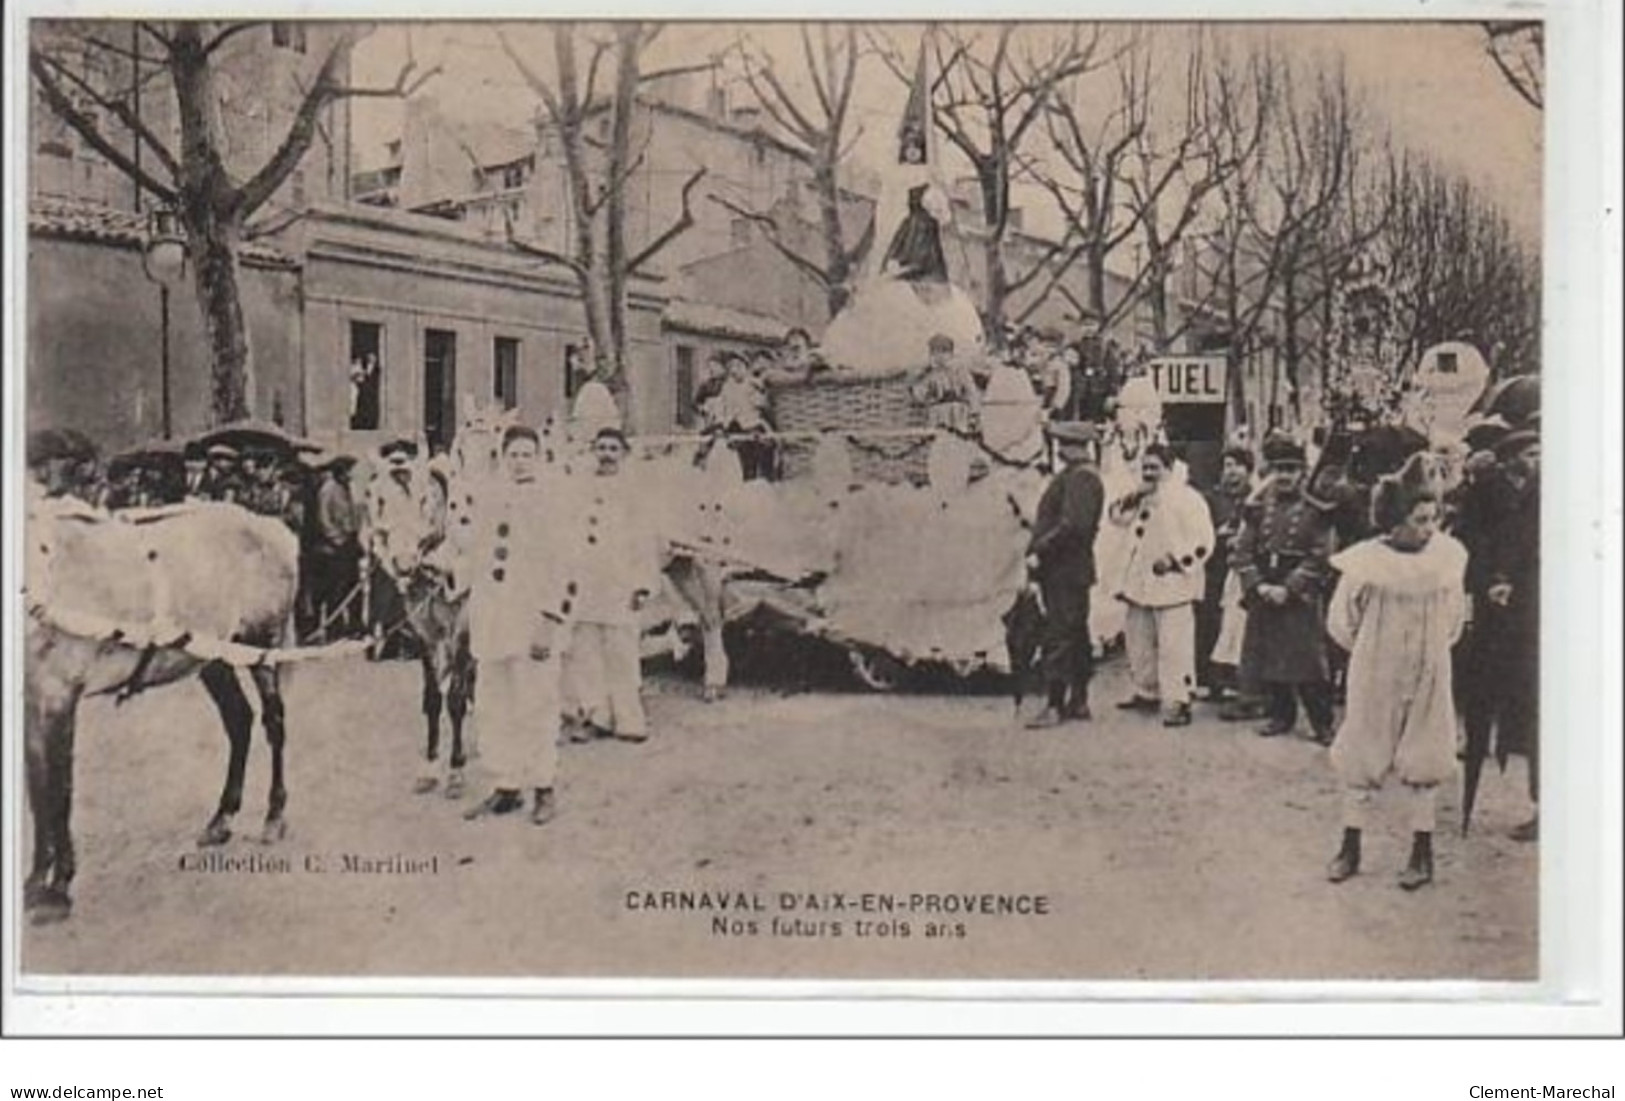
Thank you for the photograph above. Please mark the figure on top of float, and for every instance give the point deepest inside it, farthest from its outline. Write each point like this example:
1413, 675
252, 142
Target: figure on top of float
905, 295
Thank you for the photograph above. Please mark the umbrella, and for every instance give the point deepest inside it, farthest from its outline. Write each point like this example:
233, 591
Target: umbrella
257, 436
1023, 631
1515, 399
1478, 749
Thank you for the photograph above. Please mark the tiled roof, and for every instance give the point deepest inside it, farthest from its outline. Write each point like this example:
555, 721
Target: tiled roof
82, 221
701, 317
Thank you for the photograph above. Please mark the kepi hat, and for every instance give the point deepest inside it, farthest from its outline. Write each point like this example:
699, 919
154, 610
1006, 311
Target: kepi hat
1280, 449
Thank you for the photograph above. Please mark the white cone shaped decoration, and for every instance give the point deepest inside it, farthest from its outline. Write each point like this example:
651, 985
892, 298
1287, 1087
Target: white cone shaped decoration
1449, 379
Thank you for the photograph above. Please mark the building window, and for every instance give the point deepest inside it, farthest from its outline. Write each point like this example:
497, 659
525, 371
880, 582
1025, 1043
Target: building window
1448, 364
687, 415
288, 36
366, 375
513, 175
576, 368
505, 371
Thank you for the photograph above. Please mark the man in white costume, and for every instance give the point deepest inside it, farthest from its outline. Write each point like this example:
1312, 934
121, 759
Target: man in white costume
1171, 537
594, 407
616, 569
519, 610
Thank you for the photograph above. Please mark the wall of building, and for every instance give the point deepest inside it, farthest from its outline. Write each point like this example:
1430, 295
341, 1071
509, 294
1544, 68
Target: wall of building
409, 275
95, 351
259, 84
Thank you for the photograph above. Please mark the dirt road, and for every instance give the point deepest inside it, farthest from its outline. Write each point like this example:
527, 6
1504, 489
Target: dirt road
1157, 854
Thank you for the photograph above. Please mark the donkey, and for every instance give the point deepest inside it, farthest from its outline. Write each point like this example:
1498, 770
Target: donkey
417, 552
118, 605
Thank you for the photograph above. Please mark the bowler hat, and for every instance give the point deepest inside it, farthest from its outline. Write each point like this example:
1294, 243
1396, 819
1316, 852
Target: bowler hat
1514, 442
1486, 436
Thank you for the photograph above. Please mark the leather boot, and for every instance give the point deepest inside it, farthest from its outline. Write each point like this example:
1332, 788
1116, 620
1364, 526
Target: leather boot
545, 809
500, 801
1419, 871
1346, 864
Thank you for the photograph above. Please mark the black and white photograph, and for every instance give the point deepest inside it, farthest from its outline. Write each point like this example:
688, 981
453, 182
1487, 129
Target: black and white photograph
1022, 501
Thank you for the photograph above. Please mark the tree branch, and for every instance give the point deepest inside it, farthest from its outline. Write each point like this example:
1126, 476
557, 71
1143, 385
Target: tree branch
677, 70
270, 227
539, 252
228, 34
676, 229
120, 110
65, 109
302, 130
151, 31
773, 234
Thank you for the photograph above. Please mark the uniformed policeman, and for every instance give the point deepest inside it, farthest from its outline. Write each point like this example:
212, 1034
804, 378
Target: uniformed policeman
1061, 558
519, 609
1280, 558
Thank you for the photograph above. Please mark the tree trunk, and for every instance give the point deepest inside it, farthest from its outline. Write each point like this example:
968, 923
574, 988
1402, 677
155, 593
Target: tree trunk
1094, 261
837, 270
996, 211
1156, 292
213, 242
213, 225
616, 252
1290, 320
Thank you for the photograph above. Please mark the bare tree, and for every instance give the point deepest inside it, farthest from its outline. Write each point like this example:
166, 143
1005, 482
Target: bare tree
992, 89
1459, 272
1178, 169
598, 172
1291, 221
1518, 48
1088, 184
820, 127
189, 170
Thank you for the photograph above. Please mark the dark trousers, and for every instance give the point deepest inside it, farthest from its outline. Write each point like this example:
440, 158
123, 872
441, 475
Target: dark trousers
1209, 617
756, 457
333, 577
1068, 654
1317, 703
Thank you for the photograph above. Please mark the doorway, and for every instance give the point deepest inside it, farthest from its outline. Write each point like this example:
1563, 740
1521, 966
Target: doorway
439, 388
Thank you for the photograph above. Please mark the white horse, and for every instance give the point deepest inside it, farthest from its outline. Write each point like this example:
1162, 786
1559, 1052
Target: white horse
120, 604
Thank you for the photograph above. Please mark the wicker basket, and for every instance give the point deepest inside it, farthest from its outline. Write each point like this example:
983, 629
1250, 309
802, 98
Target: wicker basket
846, 404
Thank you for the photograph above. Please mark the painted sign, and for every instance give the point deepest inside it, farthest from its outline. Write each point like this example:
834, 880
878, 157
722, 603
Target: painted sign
1189, 380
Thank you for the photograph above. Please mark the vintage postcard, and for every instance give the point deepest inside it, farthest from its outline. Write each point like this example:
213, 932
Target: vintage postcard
1023, 502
